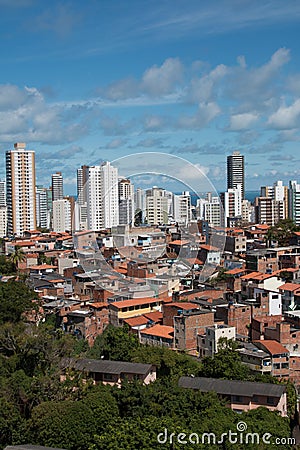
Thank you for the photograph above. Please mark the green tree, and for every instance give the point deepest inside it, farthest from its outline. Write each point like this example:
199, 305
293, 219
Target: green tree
281, 232
115, 343
225, 364
167, 362
17, 257
67, 424
6, 266
15, 299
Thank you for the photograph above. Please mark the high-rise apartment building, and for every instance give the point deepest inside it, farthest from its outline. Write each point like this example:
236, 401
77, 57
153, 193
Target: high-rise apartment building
126, 202
2, 193
20, 186
236, 172
279, 193
62, 215
182, 208
266, 211
3, 209
42, 219
57, 185
82, 188
294, 202
232, 204
157, 206
102, 201
140, 205
210, 209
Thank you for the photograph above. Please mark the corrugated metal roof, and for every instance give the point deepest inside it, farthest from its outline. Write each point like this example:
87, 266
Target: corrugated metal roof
232, 387
105, 366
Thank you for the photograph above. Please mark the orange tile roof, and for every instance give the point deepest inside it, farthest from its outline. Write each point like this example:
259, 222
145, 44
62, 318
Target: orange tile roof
136, 321
250, 275
156, 316
289, 287
234, 271
135, 302
23, 243
98, 305
263, 276
183, 305
194, 261
273, 347
42, 266
163, 331
179, 242
209, 248
121, 270
262, 226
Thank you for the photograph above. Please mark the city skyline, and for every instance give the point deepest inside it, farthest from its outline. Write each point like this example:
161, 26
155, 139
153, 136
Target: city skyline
82, 84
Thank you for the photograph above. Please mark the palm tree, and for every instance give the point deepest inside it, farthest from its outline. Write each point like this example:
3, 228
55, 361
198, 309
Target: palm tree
17, 257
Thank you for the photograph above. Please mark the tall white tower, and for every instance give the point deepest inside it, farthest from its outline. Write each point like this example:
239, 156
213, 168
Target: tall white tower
20, 184
102, 202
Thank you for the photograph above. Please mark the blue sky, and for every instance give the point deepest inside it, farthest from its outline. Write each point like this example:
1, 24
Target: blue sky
88, 81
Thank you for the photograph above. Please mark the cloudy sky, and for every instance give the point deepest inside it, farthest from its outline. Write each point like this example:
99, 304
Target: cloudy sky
82, 82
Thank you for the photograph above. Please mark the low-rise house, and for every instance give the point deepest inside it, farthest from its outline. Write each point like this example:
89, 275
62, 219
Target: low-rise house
242, 396
210, 254
256, 359
290, 296
208, 343
170, 310
187, 326
259, 324
280, 357
109, 372
147, 320
118, 311
236, 315
158, 335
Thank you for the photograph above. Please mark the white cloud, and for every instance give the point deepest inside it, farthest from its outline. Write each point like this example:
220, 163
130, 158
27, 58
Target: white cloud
205, 114
162, 80
242, 121
202, 89
286, 117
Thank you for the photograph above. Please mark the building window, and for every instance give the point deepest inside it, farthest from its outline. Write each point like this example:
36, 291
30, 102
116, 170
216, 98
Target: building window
237, 398
270, 400
107, 377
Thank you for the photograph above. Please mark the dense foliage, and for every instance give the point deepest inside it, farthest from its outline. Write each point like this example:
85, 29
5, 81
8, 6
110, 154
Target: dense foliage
37, 407
281, 232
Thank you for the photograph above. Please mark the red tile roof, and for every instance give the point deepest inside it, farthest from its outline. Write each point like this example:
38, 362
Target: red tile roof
183, 305
98, 305
179, 242
251, 275
23, 243
234, 271
209, 248
42, 266
159, 330
136, 321
135, 302
155, 316
272, 347
292, 287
